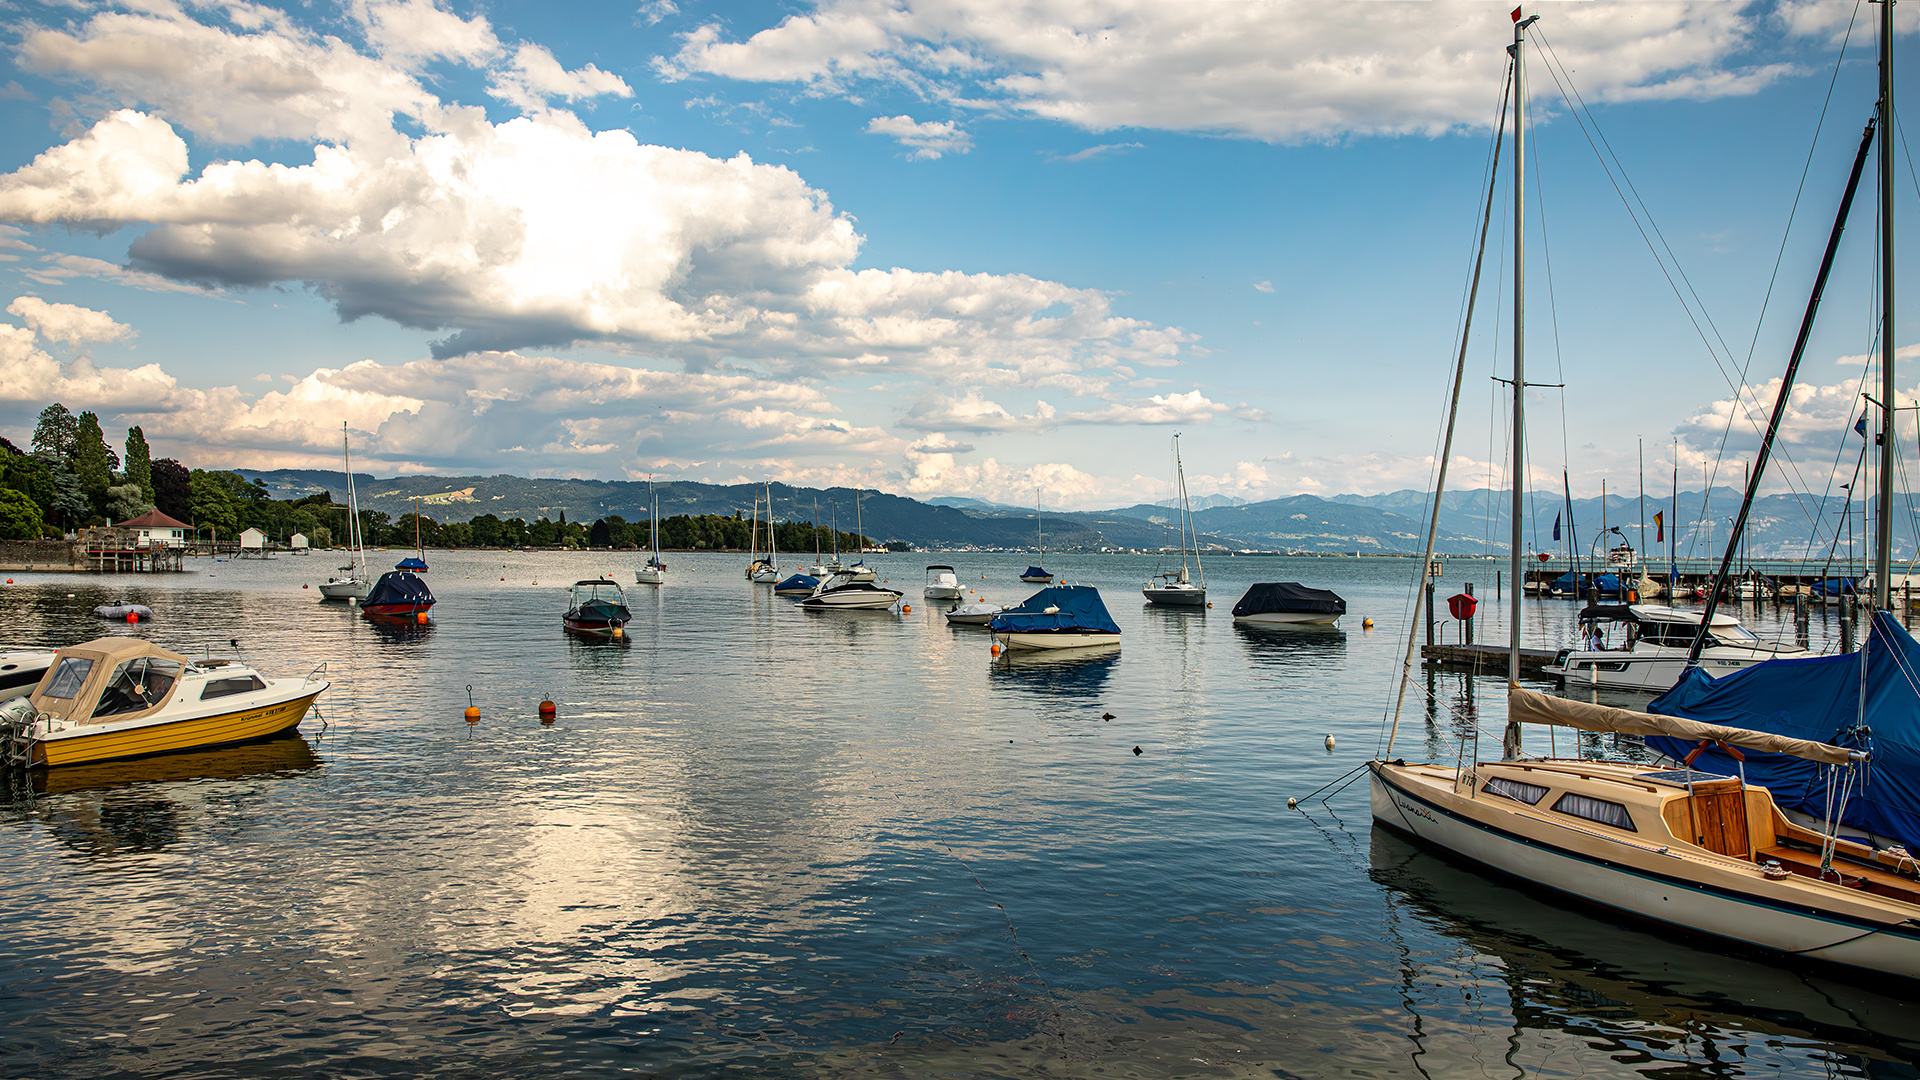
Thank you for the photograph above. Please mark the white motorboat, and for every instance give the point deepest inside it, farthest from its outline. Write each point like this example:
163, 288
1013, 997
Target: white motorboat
841, 591
121, 697
356, 582
1178, 588
942, 583
654, 572
979, 613
1644, 647
21, 669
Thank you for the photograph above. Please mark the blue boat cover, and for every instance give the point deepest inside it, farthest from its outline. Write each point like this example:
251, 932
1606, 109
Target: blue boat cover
397, 587
410, 563
1080, 609
1035, 571
1838, 586
1820, 698
798, 581
1606, 583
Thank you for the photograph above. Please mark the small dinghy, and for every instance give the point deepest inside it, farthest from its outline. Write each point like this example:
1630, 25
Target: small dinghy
598, 608
123, 610
979, 613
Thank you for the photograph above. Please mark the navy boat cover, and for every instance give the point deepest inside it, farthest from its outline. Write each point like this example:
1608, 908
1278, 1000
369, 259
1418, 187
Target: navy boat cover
1035, 571
397, 587
410, 563
1080, 608
1288, 596
1820, 698
1606, 583
798, 581
1839, 586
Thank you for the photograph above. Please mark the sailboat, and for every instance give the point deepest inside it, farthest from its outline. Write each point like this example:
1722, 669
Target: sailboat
354, 585
1701, 852
769, 572
757, 566
417, 562
859, 571
655, 571
1176, 588
1037, 574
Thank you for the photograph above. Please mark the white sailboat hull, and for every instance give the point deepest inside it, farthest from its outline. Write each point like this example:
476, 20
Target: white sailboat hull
1630, 880
349, 589
1175, 595
1057, 640
648, 575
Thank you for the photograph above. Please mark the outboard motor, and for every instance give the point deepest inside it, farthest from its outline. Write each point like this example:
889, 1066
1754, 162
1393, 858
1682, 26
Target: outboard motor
16, 716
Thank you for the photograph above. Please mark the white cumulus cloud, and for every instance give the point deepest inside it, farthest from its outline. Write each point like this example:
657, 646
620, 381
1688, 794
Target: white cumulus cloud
928, 139
68, 323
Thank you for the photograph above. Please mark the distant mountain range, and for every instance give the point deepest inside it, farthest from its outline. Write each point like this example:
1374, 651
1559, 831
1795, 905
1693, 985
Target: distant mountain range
1471, 522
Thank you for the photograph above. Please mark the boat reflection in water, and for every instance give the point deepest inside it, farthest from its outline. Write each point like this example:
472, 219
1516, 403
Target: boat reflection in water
1074, 673
1593, 986
124, 807
1292, 644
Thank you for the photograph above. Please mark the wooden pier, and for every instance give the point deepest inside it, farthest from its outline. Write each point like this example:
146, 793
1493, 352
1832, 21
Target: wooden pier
1488, 658
121, 551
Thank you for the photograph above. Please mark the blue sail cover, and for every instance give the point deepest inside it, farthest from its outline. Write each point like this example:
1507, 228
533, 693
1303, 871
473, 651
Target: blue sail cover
1080, 609
1606, 583
410, 563
1820, 698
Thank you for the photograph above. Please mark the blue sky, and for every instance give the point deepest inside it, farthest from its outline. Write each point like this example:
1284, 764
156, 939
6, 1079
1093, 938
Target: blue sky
972, 247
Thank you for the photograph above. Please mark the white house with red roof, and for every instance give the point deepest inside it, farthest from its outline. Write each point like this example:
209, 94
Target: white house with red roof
157, 528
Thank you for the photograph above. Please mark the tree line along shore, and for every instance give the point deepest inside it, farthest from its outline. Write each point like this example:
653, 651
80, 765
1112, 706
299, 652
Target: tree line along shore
71, 478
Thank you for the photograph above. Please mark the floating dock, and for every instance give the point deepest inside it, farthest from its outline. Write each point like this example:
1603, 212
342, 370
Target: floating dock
1487, 658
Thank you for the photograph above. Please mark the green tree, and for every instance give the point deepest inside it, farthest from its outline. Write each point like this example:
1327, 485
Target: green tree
19, 517
93, 461
543, 533
485, 531
212, 505
456, 534
140, 462
57, 433
374, 525
70, 505
26, 474
172, 492
126, 501
513, 532
403, 531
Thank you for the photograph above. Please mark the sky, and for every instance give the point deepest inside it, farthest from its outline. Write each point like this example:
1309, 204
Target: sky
1001, 249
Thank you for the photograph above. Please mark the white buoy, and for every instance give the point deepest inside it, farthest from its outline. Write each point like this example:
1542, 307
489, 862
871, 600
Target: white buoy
1329, 742
1292, 802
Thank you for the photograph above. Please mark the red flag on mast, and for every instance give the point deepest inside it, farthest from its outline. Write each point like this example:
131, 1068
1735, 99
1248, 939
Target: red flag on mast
1516, 14
1660, 528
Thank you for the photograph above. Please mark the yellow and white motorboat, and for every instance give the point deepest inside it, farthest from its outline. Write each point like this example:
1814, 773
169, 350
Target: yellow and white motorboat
120, 697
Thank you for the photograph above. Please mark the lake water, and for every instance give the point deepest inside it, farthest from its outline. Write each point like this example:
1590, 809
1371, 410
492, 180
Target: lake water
766, 841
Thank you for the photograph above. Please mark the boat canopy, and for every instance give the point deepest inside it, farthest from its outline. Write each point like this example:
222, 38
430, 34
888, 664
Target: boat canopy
1606, 583
1058, 607
411, 563
1822, 697
1035, 571
398, 587
1528, 707
1839, 586
1273, 597
938, 566
108, 678
799, 581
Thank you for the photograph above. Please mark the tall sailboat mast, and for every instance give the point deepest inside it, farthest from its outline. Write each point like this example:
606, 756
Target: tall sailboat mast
1510, 741
1883, 524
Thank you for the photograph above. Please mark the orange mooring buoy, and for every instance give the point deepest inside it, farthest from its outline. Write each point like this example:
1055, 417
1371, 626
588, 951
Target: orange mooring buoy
995, 650
420, 617
473, 711
906, 609
548, 710
133, 616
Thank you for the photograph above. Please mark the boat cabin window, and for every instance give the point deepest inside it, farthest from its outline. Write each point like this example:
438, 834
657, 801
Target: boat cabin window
1515, 789
1738, 635
1600, 810
137, 685
69, 677
216, 688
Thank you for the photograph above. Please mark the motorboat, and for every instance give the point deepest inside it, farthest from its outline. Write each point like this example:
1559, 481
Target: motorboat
598, 607
942, 583
841, 591
399, 594
979, 613
1058, 617
1178, 588
797, 585
1752, 587
354, 585
1644, 647
20, 669
1277, 602
122, 697
124, 610
859, 571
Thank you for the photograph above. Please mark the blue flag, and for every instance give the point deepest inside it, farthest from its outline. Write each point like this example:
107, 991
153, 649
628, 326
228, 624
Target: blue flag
1556, 526
1860, 426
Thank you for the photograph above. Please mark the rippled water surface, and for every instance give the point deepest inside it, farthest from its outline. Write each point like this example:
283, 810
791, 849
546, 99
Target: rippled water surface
768, 841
